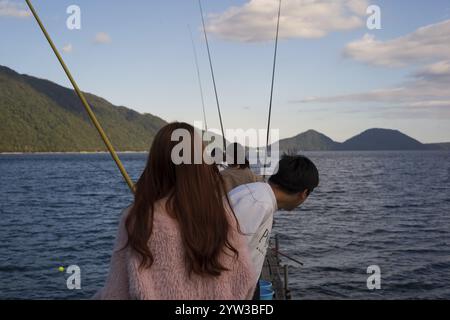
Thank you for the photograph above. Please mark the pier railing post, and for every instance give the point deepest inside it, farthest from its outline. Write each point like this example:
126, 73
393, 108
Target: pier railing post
277, 248
287, 292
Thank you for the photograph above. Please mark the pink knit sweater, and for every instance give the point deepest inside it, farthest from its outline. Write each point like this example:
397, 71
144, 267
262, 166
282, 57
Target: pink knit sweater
167, 278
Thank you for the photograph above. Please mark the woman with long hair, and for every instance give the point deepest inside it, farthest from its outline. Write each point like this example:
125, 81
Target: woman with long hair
180, 238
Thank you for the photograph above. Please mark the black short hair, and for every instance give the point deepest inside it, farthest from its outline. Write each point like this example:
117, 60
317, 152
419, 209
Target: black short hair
296, 173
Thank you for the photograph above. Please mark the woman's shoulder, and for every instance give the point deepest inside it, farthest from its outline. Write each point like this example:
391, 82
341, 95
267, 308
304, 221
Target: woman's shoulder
161, 218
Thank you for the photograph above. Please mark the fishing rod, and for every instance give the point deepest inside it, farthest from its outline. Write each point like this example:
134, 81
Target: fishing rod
212, 75
199, 78
84, 101
271, 87
286, 256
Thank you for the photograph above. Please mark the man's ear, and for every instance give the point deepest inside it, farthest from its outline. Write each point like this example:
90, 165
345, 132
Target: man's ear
304, 195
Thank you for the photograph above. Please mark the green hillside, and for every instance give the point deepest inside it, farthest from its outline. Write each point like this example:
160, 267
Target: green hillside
40, 116
37, 115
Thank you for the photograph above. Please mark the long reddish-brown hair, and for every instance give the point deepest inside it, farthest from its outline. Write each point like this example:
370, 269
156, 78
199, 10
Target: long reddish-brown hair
195, 198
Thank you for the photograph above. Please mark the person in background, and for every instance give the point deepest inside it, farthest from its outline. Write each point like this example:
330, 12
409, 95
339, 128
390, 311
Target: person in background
238, 171
180, 238
219, 158
255, 204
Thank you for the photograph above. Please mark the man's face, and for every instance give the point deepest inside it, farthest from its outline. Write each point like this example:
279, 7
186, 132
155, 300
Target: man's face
296, 200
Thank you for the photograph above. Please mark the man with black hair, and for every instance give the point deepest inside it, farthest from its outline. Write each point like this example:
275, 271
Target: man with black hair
255, 204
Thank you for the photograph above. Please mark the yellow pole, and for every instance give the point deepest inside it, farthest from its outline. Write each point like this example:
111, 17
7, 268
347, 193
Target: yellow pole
84, 101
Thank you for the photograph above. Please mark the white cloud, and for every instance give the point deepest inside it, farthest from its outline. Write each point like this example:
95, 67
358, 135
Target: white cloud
426, 91
255, 21
439, 70
68, 48
426, 44
102, 38
13, 9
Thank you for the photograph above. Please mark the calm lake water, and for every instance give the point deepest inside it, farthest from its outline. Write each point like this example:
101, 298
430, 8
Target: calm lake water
390, 209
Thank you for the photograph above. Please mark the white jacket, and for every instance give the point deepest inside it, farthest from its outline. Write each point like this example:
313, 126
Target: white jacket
254, 205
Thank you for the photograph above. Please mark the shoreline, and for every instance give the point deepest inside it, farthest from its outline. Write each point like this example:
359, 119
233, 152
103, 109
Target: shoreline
70, 152
146, 152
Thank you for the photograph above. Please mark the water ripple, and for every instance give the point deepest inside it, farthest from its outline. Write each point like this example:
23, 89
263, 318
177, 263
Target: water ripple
389, 209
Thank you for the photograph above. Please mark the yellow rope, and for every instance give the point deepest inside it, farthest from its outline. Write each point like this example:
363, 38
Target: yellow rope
84, 101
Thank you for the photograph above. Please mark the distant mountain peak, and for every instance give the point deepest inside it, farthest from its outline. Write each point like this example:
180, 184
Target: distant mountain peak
312, 131
378, 130
370, 139
307, 141
382, 139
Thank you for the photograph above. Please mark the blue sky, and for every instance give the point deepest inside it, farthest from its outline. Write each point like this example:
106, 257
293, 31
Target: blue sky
334, 74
